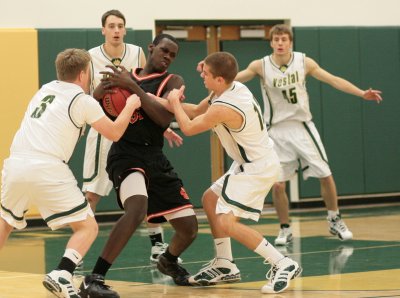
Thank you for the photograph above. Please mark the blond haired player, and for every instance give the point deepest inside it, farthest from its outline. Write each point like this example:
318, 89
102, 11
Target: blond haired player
37, 172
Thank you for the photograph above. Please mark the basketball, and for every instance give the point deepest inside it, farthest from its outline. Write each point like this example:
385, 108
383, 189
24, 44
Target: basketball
114, 103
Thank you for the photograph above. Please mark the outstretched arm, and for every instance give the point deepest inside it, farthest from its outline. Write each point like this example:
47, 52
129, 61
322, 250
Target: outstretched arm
254, 69
313, 69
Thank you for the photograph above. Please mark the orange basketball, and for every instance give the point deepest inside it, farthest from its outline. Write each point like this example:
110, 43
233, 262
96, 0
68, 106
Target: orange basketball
114, 103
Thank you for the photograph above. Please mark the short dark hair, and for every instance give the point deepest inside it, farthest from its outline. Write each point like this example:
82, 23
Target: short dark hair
280, 29
113, 12
222, 64
161, 36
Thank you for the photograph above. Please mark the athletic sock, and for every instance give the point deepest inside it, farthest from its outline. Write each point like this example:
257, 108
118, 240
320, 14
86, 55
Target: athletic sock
223, 248
285, 226
333, 214
101, 267
268, 252
156, 235
170, 257
69, 261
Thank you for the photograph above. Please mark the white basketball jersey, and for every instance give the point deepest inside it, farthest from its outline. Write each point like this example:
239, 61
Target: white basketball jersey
251, 141
54, 121
284, 90
130, 59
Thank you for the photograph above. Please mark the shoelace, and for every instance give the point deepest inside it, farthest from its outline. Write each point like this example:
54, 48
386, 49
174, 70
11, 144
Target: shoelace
342, 226
272, 271
339, 223
208, 265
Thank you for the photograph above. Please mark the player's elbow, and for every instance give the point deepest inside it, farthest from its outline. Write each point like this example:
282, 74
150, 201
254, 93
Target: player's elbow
187, 131
116, 136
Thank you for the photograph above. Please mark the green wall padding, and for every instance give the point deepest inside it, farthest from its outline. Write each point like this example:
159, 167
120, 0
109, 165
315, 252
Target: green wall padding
380, 69
341, 112
192, 161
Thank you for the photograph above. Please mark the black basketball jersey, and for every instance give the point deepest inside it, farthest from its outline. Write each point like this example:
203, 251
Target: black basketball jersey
142, 130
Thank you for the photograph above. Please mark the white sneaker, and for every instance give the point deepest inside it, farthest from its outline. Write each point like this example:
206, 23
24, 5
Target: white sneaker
59, 282
218, 270
285, 236
339, 228
158, 250
279, 276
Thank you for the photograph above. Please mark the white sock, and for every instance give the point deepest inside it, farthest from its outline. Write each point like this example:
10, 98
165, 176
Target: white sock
268, 252
223, 248
333, 214
73, 255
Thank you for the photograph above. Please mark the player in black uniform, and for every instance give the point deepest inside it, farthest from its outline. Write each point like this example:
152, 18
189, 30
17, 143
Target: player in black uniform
143, 178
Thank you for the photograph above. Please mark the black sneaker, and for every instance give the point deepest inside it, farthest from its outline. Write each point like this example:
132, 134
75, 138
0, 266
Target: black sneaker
93, 286
173, 269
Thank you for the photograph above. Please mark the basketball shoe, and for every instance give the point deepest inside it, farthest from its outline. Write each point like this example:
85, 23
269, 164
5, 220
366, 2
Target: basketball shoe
218, 270
338, 227
285, 236
59, 282
93, 286
173, 269
279, 276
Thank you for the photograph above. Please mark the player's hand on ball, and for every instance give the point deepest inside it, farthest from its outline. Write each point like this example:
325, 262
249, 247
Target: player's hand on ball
118, 77
134, 100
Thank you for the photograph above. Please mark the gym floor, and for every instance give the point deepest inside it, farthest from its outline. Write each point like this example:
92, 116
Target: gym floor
367, 266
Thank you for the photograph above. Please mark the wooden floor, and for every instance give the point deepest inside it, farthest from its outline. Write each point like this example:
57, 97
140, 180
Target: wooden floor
367, 266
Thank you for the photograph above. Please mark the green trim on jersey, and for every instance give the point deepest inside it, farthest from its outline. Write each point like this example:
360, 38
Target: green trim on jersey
96, 166
234, 203
66, 213
271, 111
69, 110
12, 214
314, 141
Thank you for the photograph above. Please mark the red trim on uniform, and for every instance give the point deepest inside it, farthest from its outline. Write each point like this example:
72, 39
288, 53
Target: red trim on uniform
168, 211
162, 85
150, 76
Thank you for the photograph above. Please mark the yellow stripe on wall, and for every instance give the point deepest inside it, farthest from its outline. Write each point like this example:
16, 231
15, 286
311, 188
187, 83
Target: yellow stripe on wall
19, 80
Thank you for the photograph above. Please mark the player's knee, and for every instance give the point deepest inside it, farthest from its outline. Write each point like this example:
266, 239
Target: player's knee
185, 227
192, 230
93, 199
92, 228
136, 209
225, 223
279, 187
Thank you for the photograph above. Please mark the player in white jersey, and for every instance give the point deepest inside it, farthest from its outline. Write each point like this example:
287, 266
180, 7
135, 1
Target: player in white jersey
287, 112
95, 178
233, 113
37, 172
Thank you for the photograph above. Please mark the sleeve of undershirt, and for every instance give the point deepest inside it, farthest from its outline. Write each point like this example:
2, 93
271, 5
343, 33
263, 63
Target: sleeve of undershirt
85, 109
